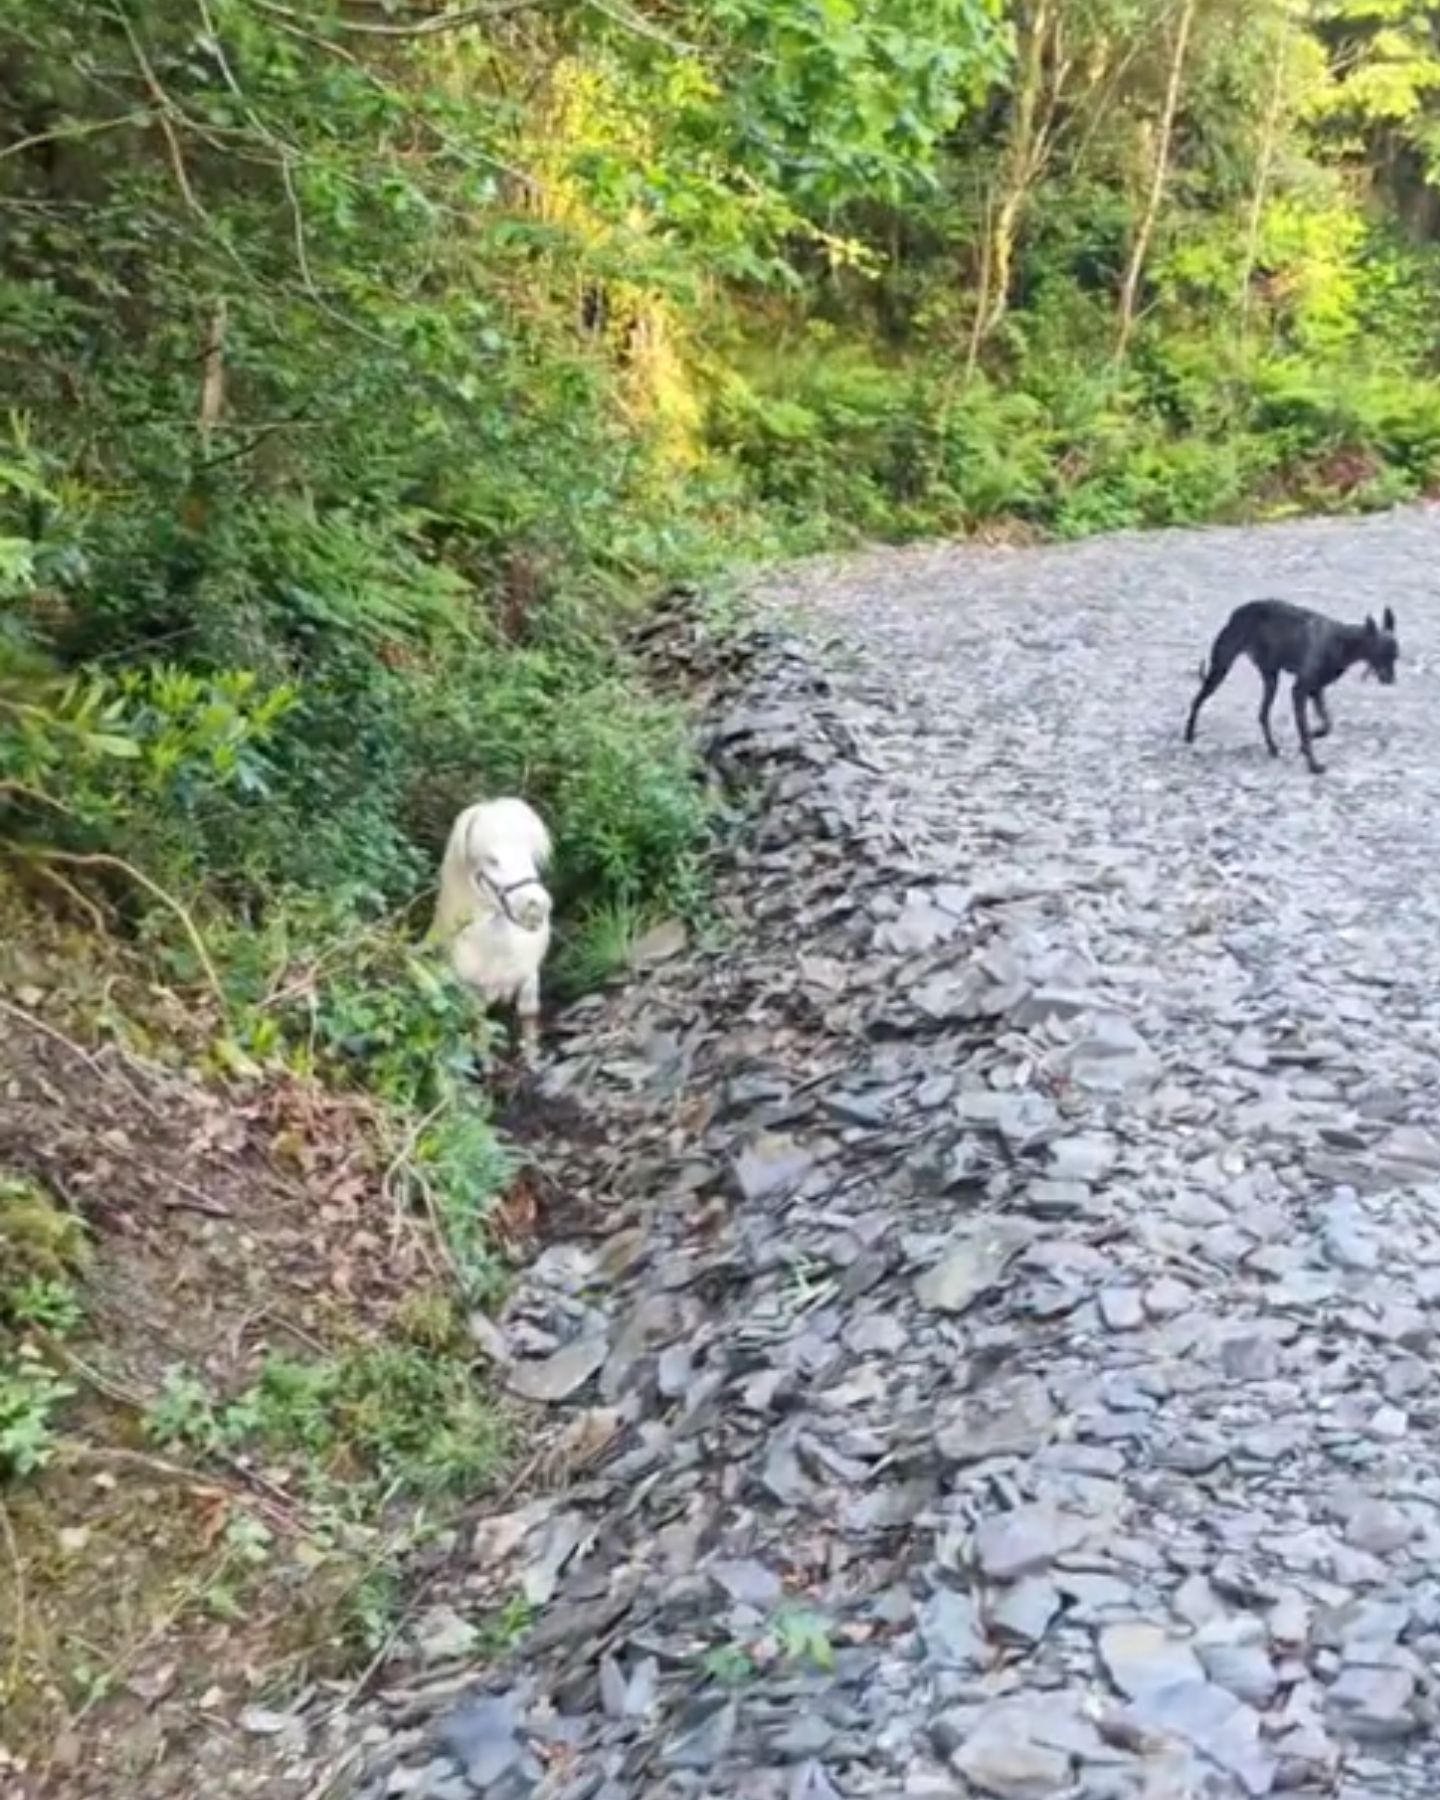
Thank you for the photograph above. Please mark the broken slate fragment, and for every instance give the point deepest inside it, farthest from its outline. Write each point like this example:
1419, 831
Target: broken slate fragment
1139, 1657
1007, 1418
555, 1378
659, 944
1025, 1540
972, 1266
1224, 1730
950, 1630
1022, 1614
1007, 1756
770, 1167
1374, 1705
748, 1582
1122, 1308
920, 925
704, 1738
482, 1735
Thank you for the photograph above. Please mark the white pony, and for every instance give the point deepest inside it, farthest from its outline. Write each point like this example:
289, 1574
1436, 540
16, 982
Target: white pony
493, 913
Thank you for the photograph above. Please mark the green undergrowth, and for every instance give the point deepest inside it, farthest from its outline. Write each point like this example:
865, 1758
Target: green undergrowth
361, 397
844, 444
43, 1251
298, 1480
370, 1423
367, 378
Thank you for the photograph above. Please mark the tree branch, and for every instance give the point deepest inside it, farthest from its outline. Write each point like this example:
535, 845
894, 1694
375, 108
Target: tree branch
1130, 287
413, 28
99, 860
164, 108
75, 129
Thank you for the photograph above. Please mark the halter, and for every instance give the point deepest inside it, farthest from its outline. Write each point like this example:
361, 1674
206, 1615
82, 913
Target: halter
502, 894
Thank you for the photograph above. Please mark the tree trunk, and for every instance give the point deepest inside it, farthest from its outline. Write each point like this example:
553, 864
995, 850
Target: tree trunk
1269, 137
1130, 287
982, 298
1022, 161
212, 386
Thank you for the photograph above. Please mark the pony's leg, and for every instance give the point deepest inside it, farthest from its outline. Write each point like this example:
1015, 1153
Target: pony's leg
1322, 714
527, 1014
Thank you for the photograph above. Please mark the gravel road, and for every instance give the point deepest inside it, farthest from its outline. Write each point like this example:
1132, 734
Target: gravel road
998, 1354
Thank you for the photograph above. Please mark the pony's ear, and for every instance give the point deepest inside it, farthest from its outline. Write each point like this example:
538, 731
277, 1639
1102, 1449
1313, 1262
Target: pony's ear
1388, 621
1371, 628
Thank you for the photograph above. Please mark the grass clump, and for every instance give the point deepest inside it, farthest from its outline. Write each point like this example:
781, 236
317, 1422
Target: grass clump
382, 1419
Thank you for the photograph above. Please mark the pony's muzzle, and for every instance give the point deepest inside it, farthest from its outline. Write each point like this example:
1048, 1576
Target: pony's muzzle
532, 911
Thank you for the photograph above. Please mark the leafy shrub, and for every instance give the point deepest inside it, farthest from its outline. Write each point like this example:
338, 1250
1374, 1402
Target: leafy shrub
42, 1247
31, 1393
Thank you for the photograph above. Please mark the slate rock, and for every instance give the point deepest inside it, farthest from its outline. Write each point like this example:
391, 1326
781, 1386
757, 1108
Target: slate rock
770, 1167
1140, 1657
1122, 1308
1022, 1614
557, 1377
482, 1735
1374, 1705
1008, 1417
1025, 1540
950, 1630
1005, 1755
974, 1264
1224, 1730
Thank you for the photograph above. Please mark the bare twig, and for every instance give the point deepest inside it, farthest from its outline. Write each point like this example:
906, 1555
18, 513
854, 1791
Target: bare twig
982, 299
26, 792
18, 1623
190, 1199
74, 130
90, 1058
465, 153
138, 1459
100, 860
328, 1778
402, 1164
164, 115
631, 21
99, 924
303, 982
414, 28
286, 151
1269, 134
133, 1651
255, 437
302, 253
247, 1485
217, 49
78, 1051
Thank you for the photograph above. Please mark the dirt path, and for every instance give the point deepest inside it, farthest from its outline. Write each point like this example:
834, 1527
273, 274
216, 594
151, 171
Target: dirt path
1004, 1360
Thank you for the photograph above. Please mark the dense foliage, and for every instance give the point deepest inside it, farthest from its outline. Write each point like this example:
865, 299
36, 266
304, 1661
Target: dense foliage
366, 363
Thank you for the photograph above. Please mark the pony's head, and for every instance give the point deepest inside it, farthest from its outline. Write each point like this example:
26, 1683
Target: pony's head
506, 845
